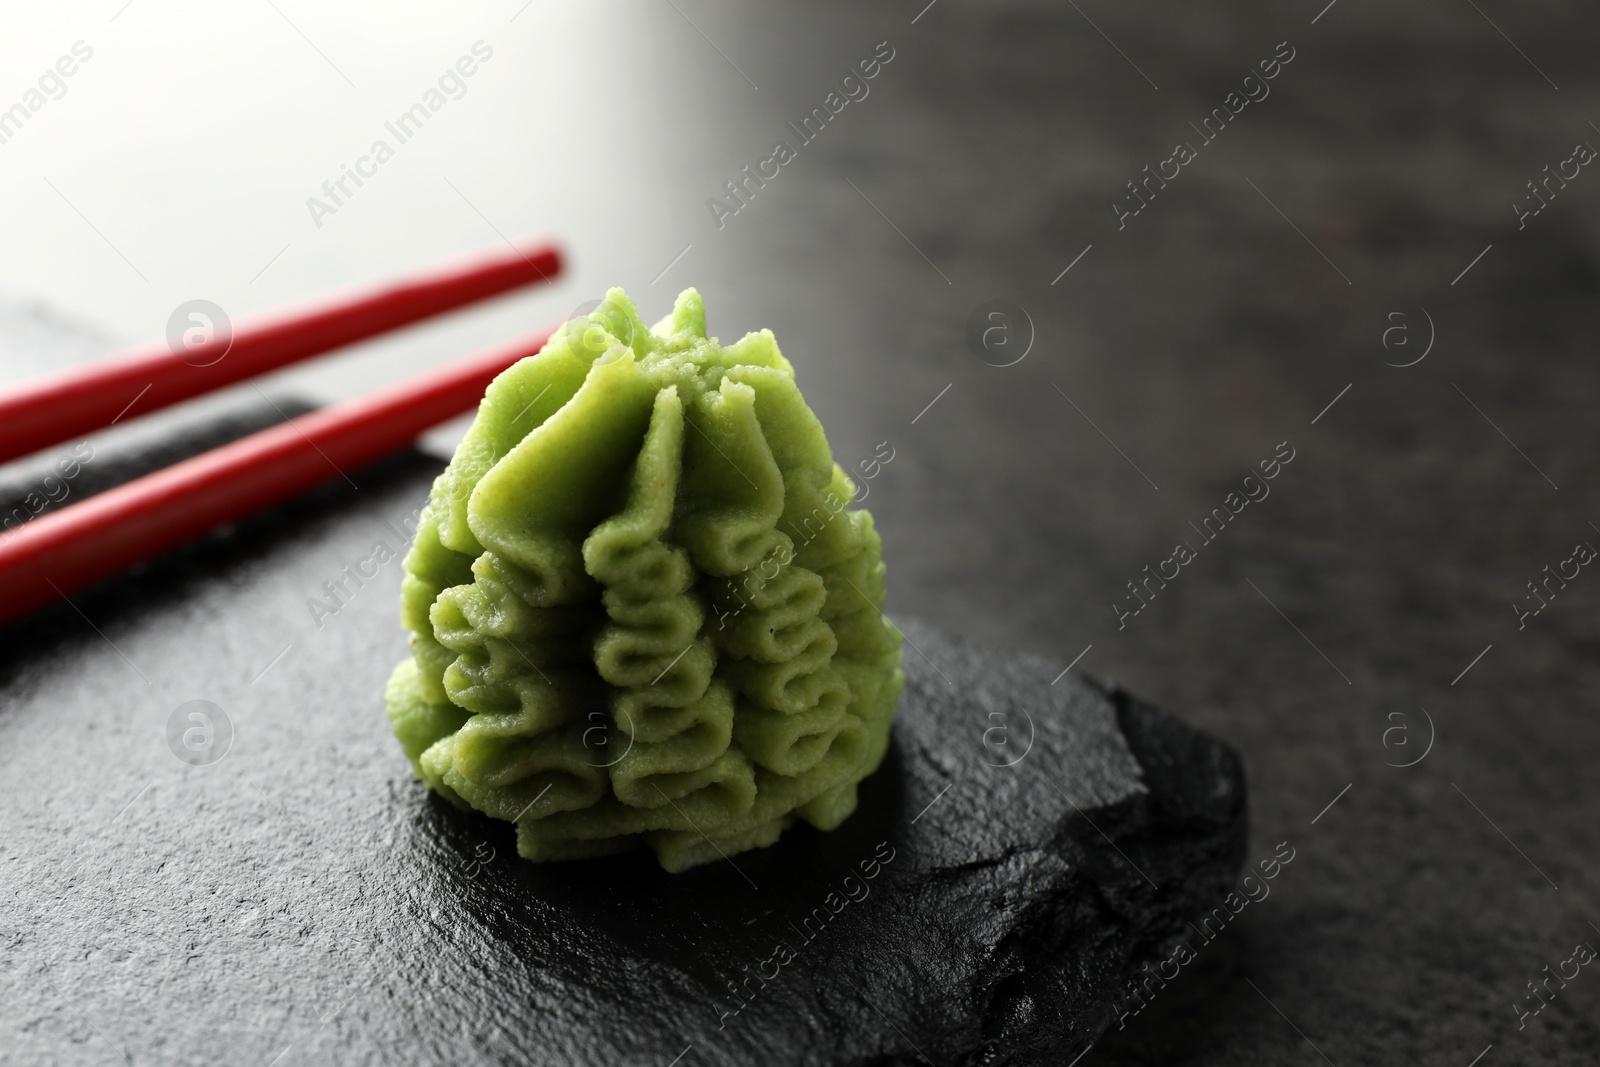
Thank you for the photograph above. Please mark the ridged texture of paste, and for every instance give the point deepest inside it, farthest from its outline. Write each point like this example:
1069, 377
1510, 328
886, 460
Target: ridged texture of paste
641, 611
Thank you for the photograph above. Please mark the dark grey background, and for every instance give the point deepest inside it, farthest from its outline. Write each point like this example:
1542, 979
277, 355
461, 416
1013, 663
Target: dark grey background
1197, 339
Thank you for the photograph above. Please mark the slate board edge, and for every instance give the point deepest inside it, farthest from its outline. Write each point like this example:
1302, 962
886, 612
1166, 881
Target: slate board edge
1170, 753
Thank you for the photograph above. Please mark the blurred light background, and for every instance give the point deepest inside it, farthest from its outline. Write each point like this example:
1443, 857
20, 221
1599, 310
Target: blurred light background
179, 162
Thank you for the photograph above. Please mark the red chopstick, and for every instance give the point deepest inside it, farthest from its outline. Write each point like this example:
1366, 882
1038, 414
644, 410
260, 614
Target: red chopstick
63, 551
73, 402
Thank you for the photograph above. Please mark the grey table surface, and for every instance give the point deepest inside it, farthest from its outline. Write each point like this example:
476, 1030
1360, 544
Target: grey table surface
1360, 618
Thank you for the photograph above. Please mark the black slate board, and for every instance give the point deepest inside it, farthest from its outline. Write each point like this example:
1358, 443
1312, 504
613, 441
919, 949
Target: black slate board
302, 900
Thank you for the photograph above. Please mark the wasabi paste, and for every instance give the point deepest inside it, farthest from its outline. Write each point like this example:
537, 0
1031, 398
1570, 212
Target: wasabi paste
641, 611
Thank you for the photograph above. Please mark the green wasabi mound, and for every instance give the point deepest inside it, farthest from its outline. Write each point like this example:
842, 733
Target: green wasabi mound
641, 612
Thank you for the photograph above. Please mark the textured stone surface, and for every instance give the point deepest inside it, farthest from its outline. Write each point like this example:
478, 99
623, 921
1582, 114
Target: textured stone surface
296, 894
304, 893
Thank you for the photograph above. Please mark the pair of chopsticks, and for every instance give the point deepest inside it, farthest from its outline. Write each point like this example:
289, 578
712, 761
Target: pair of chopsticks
51, 556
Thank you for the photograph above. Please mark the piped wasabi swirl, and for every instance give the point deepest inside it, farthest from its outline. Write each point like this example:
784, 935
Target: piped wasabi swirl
642, 613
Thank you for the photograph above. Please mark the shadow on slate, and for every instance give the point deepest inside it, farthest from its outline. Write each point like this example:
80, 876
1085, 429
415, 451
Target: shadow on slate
1017, 884
1025, 846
